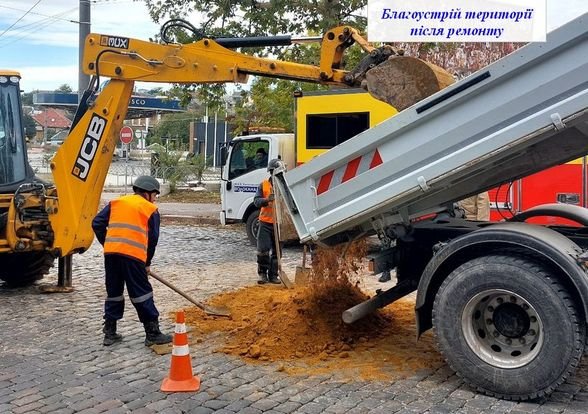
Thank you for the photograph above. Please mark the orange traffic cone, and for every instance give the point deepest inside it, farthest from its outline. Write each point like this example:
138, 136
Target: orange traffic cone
180, 375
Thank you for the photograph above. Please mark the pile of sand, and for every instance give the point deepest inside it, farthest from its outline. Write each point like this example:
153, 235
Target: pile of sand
302, 327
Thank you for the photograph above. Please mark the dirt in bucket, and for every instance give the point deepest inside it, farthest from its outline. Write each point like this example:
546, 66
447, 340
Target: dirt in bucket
302, 329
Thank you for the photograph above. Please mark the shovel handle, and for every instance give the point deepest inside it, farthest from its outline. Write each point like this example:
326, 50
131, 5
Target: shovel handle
176, 289
206, 309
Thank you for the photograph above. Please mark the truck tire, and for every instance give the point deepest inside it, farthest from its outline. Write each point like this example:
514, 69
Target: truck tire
508, 327
252, 225
23, 269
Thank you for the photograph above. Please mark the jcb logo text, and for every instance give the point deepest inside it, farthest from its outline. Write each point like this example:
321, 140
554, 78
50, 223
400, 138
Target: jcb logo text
89, 147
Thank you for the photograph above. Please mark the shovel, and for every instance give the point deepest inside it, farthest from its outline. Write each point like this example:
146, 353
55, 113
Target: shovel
221, 311
283, 276
302, 272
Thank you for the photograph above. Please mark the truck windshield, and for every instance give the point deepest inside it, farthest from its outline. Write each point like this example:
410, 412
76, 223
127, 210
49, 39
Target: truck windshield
12, 150
247, 156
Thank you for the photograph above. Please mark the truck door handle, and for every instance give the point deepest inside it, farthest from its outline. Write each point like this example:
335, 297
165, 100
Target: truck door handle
229, 185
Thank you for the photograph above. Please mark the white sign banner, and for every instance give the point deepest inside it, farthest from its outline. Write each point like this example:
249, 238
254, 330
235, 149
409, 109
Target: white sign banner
456, 20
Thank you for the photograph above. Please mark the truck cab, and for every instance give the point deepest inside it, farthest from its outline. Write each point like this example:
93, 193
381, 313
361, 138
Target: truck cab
244, 170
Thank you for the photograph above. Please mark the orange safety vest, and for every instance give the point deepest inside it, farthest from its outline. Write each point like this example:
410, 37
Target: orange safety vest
128, 231
266, 214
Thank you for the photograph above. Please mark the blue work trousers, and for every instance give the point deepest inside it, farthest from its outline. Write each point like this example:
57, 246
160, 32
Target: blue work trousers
121, 270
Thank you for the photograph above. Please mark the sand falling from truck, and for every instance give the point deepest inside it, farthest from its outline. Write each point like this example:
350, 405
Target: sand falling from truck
301, 331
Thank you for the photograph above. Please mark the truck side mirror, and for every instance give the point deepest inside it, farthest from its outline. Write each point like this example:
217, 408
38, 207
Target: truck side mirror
223, 154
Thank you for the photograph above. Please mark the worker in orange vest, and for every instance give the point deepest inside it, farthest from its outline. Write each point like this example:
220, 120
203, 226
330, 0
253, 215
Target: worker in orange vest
267, 265
128, 228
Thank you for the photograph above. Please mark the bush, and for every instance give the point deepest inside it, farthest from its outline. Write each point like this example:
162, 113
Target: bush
170, 166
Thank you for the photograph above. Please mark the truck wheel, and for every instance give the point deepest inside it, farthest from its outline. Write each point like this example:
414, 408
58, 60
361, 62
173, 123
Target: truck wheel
508, 327
252, 225
23, 269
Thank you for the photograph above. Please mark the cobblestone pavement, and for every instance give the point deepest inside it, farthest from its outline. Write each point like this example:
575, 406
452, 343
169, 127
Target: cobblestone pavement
52, 359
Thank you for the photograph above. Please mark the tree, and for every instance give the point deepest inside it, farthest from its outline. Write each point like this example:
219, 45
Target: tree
27, 98
270, 103
65, 88
29, 124
171, 167
259, 18
174, 126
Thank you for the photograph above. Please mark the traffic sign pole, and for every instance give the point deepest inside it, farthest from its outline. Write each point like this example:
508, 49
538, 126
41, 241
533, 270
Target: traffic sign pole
126, 137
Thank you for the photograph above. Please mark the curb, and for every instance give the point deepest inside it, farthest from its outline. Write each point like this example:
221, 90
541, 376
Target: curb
175, 219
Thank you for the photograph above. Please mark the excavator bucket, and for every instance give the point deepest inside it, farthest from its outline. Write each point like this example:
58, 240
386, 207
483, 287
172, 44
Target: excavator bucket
402, 81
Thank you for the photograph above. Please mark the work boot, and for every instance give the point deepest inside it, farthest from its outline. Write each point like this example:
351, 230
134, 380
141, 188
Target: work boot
262, 279
110, 335
275, 280
385, 277
154, 335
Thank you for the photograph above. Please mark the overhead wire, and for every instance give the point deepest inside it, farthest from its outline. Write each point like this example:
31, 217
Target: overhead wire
49, 18
52, 18
32, 28
105, 2
43, 15
20, 18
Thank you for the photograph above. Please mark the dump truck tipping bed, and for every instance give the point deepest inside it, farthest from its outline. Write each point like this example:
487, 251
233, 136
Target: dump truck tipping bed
524, 113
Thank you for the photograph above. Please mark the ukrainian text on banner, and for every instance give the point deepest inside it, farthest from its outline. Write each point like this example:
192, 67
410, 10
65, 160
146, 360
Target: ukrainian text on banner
456, 20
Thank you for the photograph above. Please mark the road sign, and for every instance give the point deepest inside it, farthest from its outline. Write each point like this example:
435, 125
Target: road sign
126, 134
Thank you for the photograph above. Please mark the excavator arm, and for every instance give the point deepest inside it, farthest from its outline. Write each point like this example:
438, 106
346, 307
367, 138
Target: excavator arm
210, 61
80, 165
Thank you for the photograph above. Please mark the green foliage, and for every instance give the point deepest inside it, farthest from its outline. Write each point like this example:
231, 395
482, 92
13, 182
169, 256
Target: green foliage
225, 18
258, 18
175, 128
157, 91
197, 165
170, 166
65, 88
29, 125
27, 98
166, 165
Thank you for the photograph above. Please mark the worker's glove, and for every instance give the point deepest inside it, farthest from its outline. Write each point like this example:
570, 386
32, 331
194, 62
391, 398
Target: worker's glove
270, 198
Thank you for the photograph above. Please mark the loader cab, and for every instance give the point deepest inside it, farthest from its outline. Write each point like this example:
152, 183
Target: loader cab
14, 166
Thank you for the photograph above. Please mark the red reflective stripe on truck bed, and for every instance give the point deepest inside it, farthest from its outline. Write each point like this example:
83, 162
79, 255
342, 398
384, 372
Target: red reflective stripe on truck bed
325, 182
352, 169
376, 160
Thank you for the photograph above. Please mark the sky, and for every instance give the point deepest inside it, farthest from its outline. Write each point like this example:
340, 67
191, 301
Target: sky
39, 38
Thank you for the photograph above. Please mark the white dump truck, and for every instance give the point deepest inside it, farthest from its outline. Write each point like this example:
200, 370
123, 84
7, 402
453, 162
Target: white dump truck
508, 301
